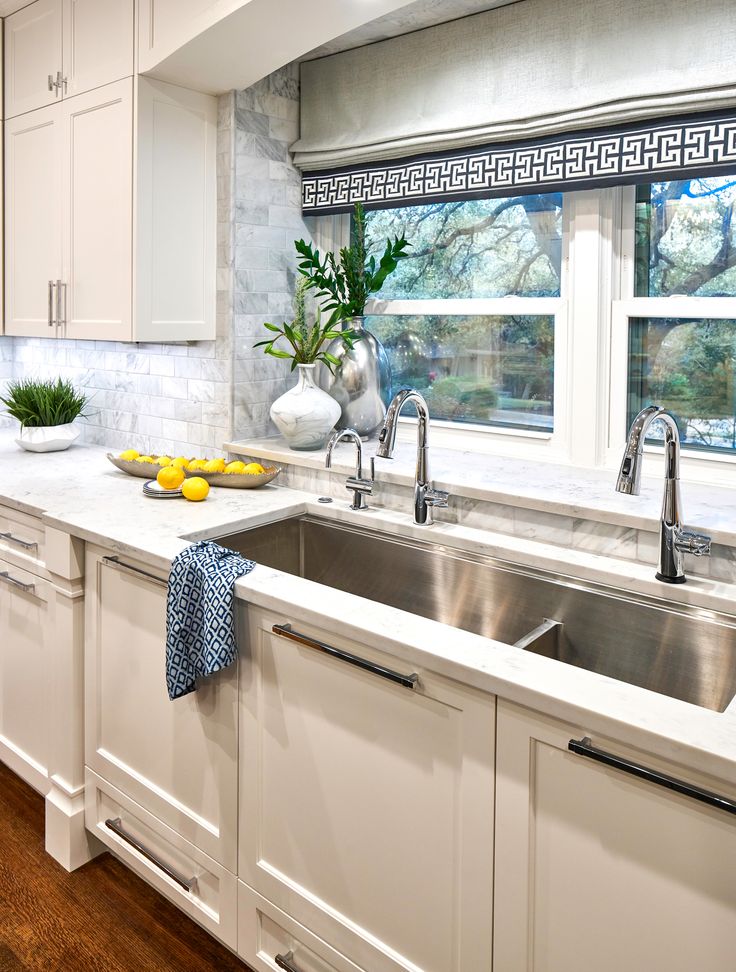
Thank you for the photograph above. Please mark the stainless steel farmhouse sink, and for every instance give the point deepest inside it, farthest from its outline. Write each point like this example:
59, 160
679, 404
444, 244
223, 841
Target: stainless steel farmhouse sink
686, 653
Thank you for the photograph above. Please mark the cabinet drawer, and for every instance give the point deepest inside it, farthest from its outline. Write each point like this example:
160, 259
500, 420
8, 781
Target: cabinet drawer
201, 887
22, 535
265, 934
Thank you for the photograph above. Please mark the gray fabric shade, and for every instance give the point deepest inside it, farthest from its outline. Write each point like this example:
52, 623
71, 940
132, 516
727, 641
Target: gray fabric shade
519, 72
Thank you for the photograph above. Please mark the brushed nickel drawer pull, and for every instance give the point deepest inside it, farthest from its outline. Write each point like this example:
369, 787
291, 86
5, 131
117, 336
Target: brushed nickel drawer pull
119, 565
116, 826
284, 962
584, 747
6, 578
51, 303
407, 681
26, 544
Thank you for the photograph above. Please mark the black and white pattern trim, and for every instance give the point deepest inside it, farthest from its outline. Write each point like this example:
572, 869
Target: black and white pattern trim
667, 149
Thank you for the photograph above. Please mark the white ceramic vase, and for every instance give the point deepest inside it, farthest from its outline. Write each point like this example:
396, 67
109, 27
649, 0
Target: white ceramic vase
48, 438
305, 415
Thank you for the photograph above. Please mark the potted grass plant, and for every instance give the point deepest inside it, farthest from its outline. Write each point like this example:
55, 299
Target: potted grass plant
46, 411
305, 415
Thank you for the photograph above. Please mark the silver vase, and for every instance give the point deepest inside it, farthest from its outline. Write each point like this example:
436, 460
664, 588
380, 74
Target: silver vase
361, 382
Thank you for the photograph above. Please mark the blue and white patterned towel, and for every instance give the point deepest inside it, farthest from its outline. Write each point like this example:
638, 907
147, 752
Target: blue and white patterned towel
200, 628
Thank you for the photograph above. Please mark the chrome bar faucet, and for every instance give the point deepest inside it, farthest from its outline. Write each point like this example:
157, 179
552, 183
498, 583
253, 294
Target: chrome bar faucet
426, 497
674, 541
361, 487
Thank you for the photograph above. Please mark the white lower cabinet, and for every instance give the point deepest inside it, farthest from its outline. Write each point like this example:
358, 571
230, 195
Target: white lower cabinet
178, 760
366, 805
26, 638
597, 869
269, 939
201, 887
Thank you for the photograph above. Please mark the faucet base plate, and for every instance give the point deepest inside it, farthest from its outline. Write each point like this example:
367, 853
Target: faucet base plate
670, 580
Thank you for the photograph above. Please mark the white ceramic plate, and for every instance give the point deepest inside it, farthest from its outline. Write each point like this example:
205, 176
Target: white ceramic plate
156, 491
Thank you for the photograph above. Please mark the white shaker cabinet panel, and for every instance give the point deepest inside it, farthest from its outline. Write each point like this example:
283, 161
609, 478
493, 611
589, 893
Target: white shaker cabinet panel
25, 627
98, 202
598, 869
33, 234
164, 25
98, 43
177, 760
33, 57
366, 806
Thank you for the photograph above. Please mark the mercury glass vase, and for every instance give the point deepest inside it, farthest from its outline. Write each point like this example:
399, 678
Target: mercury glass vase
361, 382
305, 415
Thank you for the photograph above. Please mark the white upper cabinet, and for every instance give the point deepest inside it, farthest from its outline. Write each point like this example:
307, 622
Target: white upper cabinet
33, 58
110, 216
33, 241
98, 43
58, 48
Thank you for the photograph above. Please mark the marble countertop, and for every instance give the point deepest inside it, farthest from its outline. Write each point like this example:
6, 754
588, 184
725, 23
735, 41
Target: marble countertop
543, 486
80, 492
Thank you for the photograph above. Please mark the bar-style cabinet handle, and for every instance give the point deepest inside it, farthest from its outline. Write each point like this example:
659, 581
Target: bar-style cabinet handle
284, 962
127, 568
286, 631
6, 578
59, 311
51, 83
584, 747
26, 544
51, 303
116, 826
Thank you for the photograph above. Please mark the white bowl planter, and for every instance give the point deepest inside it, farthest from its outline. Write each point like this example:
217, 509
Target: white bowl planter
48, 438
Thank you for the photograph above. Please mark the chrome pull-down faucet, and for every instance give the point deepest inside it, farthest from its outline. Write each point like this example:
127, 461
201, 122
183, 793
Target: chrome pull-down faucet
426, 497
674, 540
360, 487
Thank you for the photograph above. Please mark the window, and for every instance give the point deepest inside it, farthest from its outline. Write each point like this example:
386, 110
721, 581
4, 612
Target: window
445, 316
681, 324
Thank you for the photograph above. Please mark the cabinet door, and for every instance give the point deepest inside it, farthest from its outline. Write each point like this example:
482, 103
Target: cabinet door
32, 56
597, 869
366, 808
165, 25
98, 43
98, 222
33, 157
24, 673
177, 760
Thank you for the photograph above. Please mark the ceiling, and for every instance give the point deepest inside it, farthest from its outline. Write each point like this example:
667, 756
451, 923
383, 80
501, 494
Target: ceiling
414, 16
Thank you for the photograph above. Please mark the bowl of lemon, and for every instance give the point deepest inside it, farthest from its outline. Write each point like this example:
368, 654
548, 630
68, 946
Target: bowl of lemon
213, 472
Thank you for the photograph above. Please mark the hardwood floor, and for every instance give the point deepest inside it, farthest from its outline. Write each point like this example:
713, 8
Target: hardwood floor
101, 918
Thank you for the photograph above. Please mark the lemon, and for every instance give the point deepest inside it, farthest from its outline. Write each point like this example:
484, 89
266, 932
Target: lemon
195, 488
170, 477
164, 460
129, 455
181, 462
145, 459
254, 469
197, 464
214, 466
235, 467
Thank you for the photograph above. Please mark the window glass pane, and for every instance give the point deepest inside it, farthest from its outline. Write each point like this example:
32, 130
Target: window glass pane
480, 248
688, 367
685, 238
481, 370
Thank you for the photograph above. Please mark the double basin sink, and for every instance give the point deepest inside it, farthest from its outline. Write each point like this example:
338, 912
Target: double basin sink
686, 653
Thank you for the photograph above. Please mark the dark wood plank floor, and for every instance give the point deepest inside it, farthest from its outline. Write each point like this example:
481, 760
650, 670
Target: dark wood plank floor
102, 917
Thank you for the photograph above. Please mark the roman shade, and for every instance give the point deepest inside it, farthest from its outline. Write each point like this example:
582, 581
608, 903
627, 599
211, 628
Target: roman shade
536, 94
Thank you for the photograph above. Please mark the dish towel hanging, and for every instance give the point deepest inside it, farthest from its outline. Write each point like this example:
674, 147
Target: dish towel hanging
200, 627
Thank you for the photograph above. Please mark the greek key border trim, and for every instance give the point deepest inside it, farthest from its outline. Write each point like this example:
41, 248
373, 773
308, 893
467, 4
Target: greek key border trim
666, 149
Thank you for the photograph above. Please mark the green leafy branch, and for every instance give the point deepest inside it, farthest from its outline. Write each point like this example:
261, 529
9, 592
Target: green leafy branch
307, 340
346, 285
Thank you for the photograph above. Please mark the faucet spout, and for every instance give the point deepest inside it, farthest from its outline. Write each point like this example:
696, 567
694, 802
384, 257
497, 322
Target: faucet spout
674, 540
425, 496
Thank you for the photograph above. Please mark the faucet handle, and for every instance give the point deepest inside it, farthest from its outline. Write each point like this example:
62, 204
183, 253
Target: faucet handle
697, 544
436, 497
